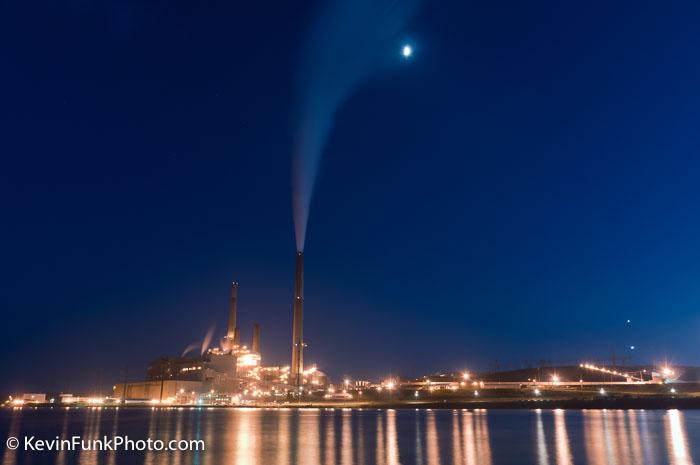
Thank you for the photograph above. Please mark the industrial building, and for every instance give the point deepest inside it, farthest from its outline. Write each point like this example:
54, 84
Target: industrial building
232, 369
179, 391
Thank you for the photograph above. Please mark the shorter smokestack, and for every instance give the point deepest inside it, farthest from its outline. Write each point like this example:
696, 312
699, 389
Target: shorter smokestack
256, 339
232, 308
236, 337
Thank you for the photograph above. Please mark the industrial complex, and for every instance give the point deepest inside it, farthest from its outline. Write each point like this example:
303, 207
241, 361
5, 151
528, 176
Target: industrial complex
233, 373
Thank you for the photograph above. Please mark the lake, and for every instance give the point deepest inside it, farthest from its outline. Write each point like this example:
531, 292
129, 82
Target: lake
361, 436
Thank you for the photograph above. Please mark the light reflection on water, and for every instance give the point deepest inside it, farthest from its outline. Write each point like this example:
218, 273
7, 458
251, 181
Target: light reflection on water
542, 454
346, 445
680, 454
562, 439
431, 440
367, 437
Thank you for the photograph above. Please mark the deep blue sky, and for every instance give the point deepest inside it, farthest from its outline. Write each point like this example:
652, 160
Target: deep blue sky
527, 183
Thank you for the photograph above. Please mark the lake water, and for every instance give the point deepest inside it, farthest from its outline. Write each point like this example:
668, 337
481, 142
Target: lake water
383, 437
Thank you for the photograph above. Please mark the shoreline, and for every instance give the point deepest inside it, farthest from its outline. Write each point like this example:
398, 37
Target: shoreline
619, 403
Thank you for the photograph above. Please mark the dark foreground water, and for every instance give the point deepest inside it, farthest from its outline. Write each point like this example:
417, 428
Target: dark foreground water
384, 437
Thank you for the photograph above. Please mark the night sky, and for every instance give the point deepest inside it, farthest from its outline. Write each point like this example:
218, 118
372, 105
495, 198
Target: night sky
516, 191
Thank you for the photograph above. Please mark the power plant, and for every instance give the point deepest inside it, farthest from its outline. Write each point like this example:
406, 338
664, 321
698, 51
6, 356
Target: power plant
233, 374
234, 371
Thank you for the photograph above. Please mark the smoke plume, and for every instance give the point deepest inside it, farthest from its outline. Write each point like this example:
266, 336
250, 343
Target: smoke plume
189, 349
349, 41
207, 340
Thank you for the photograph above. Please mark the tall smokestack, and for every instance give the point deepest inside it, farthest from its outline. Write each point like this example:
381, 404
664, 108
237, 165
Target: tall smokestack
232, 311
298, 327
256, 339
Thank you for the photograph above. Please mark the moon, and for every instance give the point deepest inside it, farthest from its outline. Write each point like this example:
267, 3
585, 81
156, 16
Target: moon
407, 51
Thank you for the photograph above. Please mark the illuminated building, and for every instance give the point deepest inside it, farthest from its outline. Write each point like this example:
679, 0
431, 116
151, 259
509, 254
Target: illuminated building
230, 373
170, 391
33, 398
